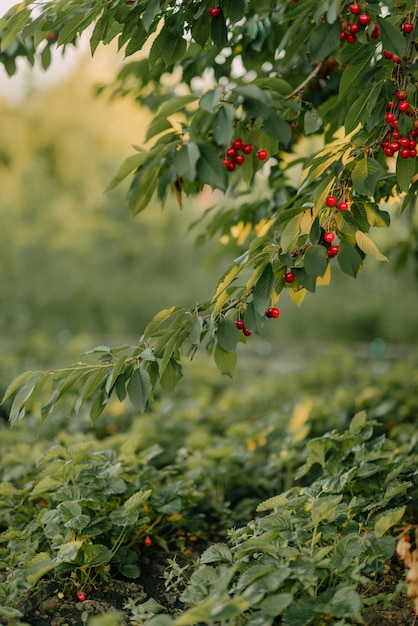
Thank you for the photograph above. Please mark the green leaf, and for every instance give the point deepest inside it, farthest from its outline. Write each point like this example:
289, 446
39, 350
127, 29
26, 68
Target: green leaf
99, 32
210, 169
210, 100
174, 47
185, 160
365, 175
278, 129
315, 260
159, 319
368, 246
357, 114
143, 185
223, 125
325, 509
219, 31
38, 566
228, 335
158, 126
346, 602
18, 408
16, 384
171, 375
354, 72
226, 361
219, 552
388, 520
405, 171
128, 166
152, 10
237, 9
139, 389
174, 105
263, 289
391, 36
349, 259
15, 24
290, 234
324, 40
96, 554
312, 122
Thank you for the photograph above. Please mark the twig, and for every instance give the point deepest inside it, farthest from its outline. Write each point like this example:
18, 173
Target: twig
304, 83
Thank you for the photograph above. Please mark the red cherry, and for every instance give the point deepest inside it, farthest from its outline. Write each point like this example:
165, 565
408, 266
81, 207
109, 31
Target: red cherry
389, 117
404, 142
51, 36
355, 8
230, 152
396, 134
214, 11
413, 152
394, 146
273, 312
81, 596
246, 332
401, 94
354, 28
405, 153
375, 32
332, 251
412, 144
364, 19
388, 55
394, 124
239, 159
343, 36
403, 106
351, 38
395, 58
342, 206
388, 152
240, 324
330, 201
262, 155
329, 237
231, 166
247, 148
289, 277
237, 144
407, 27
148, 541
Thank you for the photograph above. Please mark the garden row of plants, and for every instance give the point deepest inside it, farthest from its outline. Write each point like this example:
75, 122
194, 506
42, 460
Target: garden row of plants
295, 486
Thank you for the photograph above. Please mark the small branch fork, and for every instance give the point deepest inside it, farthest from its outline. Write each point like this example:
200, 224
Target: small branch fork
304, 83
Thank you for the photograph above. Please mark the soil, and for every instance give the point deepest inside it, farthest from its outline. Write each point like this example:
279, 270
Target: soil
46, 608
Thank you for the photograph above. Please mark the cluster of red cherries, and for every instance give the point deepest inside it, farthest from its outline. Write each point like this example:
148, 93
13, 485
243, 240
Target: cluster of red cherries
406, 146
271, 312
235, 154
349, 30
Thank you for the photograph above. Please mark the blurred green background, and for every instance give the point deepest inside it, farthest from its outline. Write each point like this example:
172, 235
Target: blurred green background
76, 270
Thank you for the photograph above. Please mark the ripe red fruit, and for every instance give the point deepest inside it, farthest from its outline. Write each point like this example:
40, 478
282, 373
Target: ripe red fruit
230, 152
354, 28
405, 153
247, 148
395, 58
413, 153
394, 146
401, 94
262, 155
343, 36
237, 144
389, 117
51, 36
329, 237
240, 324
273, 312
375, 32
148, 541
246, 332
396, 134
390, 105
81, 596
388, 152
351, 38
403, 106
404, 142
355, 8
289, 277
230, 166
342, 206
214, 11
364, 19
239, 159
330, 201
412, 144
388, 55
407, 27
332, 251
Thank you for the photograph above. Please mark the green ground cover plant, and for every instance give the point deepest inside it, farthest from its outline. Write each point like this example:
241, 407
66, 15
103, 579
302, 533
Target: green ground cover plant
295, 502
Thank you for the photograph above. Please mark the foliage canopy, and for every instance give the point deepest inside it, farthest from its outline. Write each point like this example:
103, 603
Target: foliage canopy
302, 116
